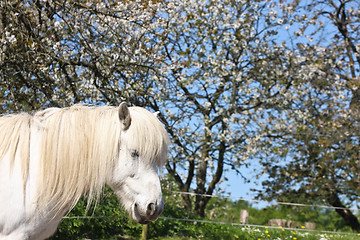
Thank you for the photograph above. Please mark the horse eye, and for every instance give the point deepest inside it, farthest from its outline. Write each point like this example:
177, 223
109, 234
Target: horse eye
134, 154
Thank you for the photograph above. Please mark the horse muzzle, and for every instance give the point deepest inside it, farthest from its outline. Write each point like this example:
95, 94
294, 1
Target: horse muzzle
148, 213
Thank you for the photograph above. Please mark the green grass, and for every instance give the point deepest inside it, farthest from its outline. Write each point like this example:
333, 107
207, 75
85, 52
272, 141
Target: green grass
250, 233
284, 234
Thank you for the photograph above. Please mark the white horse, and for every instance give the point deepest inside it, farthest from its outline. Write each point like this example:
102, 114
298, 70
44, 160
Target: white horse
49, 160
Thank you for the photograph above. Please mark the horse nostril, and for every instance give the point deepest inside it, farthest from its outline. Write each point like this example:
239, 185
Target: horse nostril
151, 209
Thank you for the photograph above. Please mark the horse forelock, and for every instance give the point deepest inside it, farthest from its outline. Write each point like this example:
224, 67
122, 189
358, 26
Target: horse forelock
149, 137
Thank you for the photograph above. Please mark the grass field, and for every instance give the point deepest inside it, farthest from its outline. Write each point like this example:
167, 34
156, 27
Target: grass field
285, 234
249, 233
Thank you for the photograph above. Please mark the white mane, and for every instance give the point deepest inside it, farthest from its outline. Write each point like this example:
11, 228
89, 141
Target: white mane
78, 147
15, 139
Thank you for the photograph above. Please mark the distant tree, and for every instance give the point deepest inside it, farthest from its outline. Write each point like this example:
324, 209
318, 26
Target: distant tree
221, 64
313, 134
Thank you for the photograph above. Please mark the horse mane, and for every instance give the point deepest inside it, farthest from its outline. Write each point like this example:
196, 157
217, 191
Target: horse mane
78, 148
15, 139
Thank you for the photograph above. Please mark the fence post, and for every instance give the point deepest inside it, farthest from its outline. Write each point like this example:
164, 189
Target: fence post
244, 215
144, 232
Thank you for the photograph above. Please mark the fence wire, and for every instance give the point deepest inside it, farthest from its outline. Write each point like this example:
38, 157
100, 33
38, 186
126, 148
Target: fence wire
232, 223
195, 221
263, 201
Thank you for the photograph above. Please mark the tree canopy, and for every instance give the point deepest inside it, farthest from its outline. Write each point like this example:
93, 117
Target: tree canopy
314, 133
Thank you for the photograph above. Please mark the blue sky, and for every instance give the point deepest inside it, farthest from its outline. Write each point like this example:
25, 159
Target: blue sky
236, 187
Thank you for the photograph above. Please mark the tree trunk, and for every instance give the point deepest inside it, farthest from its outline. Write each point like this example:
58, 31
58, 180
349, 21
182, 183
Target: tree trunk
200, 204
349, 218
187, 202
201, 201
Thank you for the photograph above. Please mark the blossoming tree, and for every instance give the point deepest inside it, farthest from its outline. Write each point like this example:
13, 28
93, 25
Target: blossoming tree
313, 133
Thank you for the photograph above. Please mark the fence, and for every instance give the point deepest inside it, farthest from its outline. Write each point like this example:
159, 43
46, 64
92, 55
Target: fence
270, 202
234, 223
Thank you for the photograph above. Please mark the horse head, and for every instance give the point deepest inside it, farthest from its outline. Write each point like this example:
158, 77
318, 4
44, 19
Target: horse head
142, 150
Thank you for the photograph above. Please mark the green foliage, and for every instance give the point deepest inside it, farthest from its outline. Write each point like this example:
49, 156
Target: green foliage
109, 221
106, 220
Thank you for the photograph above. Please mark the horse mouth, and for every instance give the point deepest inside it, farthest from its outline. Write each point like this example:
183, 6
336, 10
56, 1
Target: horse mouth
144, 222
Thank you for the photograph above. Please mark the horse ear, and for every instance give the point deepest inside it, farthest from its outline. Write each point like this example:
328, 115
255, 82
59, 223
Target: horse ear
156, 114
124, 115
